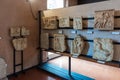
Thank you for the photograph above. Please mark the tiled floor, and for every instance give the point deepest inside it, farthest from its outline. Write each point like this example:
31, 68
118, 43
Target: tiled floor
88, 68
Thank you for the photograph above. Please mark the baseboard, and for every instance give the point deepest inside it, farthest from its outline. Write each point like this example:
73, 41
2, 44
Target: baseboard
10, 75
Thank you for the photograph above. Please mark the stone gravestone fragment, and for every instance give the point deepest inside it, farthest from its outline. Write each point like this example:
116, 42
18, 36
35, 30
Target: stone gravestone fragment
59, 42
50, 22
14, 31
104, 20
77, 46
45, 40
77, 23
20, 43
64, 22
103, 49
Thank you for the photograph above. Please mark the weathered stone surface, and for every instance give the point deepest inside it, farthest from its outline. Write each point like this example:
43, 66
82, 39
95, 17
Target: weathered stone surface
59, 42
77, 23
24, 31
64, 22
3, 69
14, 31
77, 46
104, 20
103, 49
50, 22
19, 44
45, 40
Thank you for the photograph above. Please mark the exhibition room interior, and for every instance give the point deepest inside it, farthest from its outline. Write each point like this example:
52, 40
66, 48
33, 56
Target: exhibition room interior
59, 39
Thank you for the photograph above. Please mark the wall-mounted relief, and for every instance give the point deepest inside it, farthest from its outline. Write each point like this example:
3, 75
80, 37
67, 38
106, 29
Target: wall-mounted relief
45, 40
50, 22
103, 49
104, 20
77, 46
64, 22
77, 23
14, 31
20, 44
59, 42
24, 31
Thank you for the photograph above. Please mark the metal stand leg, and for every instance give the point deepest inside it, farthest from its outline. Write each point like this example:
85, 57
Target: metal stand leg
69, 66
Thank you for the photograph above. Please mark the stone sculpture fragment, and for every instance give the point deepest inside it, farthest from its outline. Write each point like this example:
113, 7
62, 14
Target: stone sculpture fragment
103, 49
59, 42
104, 20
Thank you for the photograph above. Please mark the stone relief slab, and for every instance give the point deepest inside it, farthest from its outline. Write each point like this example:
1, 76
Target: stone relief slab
104, 20
77, 46
64, 22
59, 42
14, 31
20, 44
103, 49
77, 23
24, 31
50, 22
45, 40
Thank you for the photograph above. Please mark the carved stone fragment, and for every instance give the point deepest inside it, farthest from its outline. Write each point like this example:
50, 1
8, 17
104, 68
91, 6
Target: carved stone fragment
24, 31
20, 43
64, 22
77, 46
104, 20
59, 42
103, 49
45, 40
50, 22
14, 31
77, 23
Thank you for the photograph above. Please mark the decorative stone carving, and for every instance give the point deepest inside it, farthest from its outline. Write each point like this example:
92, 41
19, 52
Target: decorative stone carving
77, 23
45, 40
77, 46
64, 22
24, 31
20, 43
104, 20
50, 22
59, 42
103, 49
14, 31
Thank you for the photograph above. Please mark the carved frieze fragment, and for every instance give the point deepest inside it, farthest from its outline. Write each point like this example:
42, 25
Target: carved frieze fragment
14, 31
77, 46
64, 22
103, 49
77, 23
19, 44
50, 22
59, 42
104, 20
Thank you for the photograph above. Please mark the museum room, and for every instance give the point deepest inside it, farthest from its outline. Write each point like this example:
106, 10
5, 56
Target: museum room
59, 39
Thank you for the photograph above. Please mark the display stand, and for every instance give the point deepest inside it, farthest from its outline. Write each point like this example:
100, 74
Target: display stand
14, 60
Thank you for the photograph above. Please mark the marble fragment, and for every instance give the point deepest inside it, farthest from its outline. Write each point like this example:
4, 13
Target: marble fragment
103, 49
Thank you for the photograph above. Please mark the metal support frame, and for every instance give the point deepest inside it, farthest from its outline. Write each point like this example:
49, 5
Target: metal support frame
14, 62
